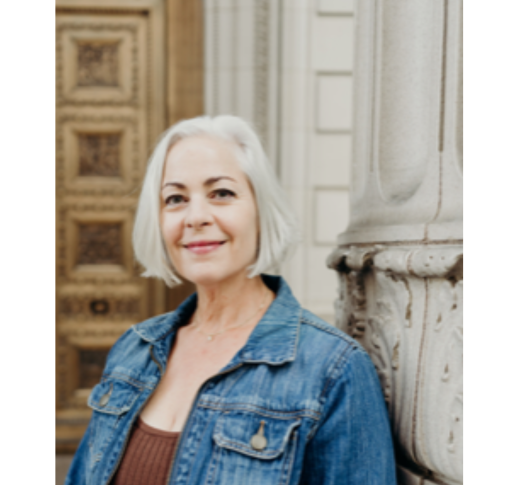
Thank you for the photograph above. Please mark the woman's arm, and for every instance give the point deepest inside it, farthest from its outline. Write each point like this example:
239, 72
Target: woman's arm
352, 443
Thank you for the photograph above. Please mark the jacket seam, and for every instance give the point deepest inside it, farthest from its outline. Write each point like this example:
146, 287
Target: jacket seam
268, 362
153, 321
264, 412
226, 391
245, 450
193, 456
332, 331
287, 473
341, 361
130, 380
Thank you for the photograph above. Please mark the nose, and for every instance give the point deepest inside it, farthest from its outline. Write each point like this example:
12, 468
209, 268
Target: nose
198, 213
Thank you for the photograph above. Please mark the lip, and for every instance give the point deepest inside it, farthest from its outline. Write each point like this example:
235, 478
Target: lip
203, 247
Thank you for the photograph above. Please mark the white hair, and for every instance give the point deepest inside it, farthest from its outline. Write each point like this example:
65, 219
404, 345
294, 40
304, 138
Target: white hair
278, 233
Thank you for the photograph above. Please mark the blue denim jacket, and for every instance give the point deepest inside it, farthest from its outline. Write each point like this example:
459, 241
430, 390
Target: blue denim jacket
315, 389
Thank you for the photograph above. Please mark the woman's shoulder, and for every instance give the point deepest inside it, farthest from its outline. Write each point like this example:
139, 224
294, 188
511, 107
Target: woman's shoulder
333, 358
136, 339
325, 343
313, 325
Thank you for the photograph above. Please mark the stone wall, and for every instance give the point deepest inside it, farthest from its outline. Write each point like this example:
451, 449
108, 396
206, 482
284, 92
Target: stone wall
286, 66
400, 260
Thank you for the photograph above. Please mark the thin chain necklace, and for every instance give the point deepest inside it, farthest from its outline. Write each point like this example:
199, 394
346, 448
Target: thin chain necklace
209, 336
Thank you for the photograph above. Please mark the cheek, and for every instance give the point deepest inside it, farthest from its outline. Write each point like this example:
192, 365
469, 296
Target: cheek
248, 230
170, 230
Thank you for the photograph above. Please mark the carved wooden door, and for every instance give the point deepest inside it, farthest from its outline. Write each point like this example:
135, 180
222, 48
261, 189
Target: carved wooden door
111, 104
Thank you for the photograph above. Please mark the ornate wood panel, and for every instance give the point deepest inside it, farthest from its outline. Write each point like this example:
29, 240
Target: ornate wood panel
110, 110
116, 91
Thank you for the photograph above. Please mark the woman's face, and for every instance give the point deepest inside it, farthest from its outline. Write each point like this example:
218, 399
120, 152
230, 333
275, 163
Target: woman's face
208, 213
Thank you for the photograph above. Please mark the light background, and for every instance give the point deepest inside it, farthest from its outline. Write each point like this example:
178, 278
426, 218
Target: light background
286, 67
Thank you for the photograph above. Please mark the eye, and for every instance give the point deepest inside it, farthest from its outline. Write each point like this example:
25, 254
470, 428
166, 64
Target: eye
174, 199
223, 194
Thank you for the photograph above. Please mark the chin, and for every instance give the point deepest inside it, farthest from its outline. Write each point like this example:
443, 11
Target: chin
205, 279
209, 276
203, 276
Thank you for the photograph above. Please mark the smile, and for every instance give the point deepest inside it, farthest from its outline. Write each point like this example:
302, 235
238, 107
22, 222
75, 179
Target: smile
203, 247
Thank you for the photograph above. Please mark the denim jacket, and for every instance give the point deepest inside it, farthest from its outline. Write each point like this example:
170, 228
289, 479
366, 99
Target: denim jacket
308, 388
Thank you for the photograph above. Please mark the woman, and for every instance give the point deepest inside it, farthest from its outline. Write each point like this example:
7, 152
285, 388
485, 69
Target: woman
239, 385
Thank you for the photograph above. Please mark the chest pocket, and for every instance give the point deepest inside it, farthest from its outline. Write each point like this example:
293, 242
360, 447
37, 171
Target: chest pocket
255, 446
111, 400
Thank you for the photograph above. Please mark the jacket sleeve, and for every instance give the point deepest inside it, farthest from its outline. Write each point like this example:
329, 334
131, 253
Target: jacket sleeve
352, 444
78, 473
78, 469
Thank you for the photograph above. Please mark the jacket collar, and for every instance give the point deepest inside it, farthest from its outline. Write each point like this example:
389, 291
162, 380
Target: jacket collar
273, 340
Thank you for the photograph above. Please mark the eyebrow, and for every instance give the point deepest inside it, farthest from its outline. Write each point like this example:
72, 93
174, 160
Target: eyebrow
207, 182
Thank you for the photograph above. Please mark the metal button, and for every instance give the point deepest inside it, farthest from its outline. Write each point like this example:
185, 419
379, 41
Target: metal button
258, 441
106, 397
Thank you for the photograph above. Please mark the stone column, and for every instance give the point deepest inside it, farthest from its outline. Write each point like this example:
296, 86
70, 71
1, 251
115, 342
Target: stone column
241, 64
400, 260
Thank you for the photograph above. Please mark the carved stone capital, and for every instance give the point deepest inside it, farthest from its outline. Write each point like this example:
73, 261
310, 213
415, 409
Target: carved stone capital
426, 261
404, 305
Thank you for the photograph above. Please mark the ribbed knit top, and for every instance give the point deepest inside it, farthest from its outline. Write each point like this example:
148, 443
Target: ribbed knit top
148, 456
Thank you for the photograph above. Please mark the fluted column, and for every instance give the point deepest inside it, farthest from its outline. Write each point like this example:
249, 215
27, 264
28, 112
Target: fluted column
400, 260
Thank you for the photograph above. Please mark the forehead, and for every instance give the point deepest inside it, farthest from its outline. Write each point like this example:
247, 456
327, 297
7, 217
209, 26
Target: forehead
202, 156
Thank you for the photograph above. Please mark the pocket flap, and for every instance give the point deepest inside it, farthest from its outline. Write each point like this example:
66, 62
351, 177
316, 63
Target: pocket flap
235, 429
113, 396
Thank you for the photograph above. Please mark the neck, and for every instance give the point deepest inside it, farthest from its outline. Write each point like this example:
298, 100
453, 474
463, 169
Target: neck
230, 302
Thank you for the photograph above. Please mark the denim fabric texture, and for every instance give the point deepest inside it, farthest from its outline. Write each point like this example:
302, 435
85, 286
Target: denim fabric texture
315, 389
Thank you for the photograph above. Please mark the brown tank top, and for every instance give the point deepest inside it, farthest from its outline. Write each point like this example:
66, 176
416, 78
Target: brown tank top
148, 456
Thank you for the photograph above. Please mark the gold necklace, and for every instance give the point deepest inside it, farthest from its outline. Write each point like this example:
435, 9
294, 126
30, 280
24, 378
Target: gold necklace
209, 336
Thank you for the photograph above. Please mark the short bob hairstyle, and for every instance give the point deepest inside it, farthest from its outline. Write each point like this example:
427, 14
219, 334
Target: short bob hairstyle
278, 232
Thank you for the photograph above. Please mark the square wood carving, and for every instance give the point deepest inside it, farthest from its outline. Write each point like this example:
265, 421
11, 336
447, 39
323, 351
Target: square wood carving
99, 244
91, 364
99, 154
98, 64
110, 108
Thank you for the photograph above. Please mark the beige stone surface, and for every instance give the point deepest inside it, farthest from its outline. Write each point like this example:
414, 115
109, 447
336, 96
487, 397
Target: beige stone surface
286, 66
400, 260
